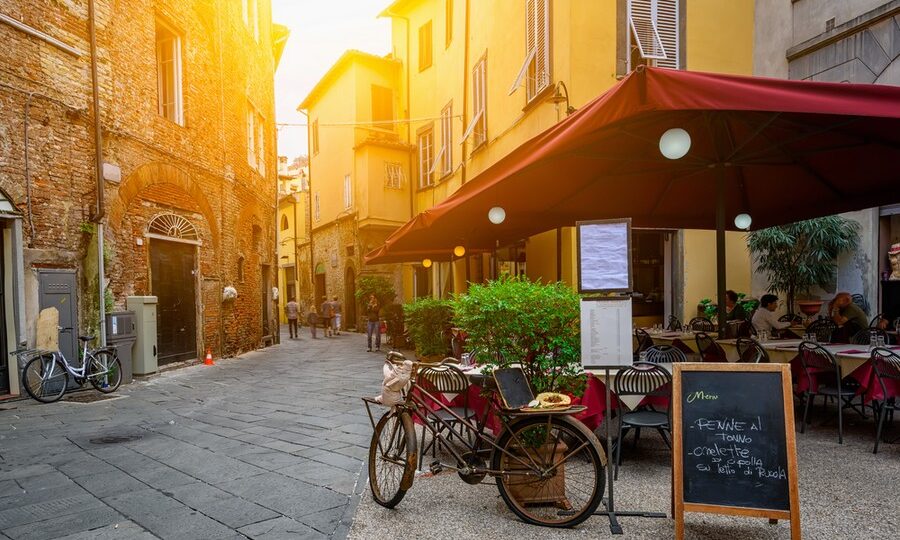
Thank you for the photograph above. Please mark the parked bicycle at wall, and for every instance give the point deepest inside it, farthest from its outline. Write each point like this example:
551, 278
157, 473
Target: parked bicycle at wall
46, 373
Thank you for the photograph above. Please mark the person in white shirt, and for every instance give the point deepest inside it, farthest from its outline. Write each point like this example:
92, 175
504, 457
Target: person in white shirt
765, 319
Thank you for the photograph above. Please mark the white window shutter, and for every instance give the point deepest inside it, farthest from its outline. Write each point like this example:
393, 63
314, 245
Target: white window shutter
666, 17
523, 71
434, 162
471, 127
542, 45
643, 27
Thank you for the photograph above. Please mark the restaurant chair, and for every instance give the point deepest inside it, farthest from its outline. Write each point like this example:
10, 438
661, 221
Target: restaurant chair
644, 341
886, 367
864, 336
876, 320
860, 301
819, 365
794, 318
751, 352
701, 324
674, 325
649, 380
709, 350
823, 329
746, 330
444, 378
665, 354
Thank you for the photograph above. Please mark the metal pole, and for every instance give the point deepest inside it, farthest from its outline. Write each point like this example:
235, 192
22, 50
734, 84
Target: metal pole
98, 169
720, 246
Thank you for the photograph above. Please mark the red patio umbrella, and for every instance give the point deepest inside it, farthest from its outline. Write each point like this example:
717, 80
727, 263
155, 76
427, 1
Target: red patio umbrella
778, 150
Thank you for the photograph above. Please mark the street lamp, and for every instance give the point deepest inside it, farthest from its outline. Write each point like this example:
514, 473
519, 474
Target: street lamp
743, 221
675, 143
459, 251
426, 263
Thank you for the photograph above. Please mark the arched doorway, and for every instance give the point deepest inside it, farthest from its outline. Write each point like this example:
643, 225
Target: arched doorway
319, 286
350, 299
173, 263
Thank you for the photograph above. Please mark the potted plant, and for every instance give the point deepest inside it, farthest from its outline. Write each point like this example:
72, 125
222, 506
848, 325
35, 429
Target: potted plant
428, 321
515, 320
801, 255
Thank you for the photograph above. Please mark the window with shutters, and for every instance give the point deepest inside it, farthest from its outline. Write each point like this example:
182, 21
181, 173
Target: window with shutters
317, 209
448, 22
446, 153
654, 35
348, 191
535, 70
284, 223
314, 135
250, 10
256, 136
425, 46
477, 128
382, 107
426, 156
393, 175
168, 73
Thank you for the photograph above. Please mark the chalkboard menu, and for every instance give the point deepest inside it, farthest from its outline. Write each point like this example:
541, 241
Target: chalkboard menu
734, 441
514, 388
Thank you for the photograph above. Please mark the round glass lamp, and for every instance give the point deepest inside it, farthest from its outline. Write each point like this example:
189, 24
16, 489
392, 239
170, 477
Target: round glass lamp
459, 251
743, 221
497, 215
675, 143
426, 263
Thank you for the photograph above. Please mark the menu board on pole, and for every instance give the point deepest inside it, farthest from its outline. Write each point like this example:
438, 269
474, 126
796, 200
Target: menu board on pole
604, 256
606, 332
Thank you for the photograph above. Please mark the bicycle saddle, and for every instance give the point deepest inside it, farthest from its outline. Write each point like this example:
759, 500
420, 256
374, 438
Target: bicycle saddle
85, 338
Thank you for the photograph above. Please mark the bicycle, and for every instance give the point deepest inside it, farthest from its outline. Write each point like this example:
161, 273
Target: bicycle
46, 373
549, 467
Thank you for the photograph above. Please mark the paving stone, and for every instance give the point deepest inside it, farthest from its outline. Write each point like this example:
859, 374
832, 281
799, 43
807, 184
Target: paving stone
114, 531
83, 519
289, 496
235, 512
110, 483
281, 528
334, 478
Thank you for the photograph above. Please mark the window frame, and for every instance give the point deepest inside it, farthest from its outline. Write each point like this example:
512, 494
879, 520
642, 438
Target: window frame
389, 176
446, 152
314, 136
250, 11
539, 27
479, 105
285, 225
426, 53
256, 135
670, 39
177, 69
317, 207
425, 162
348, 191
448, 23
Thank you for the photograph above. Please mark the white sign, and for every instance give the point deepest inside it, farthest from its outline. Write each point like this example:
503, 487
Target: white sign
606, 333
604, 260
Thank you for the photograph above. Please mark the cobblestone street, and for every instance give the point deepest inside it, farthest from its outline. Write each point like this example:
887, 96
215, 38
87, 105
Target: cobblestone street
267, 445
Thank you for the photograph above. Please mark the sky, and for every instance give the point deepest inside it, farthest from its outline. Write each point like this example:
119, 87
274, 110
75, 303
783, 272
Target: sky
321, 30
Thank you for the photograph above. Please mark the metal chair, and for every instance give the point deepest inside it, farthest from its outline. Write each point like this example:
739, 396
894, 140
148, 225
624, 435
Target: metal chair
860, 301
444, 378
709, 350
791, 318
644, 341
751, 352
673, 324
701, 324
864, 336
818, 366
665, 354
823, 329
886, 366
876, 321
643, 379
746, 330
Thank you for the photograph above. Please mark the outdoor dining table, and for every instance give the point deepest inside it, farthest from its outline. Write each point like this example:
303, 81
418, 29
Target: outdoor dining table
686, 341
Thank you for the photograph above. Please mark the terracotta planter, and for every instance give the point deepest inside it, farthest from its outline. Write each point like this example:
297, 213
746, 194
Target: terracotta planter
810, 307
528, 490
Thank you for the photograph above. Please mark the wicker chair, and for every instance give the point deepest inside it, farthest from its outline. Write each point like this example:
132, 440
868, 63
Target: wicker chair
818, 365
644, 341
791, 318
746, 330
886, 366
674, 324
444, 379
864, 336
665, 354
876, 321
823, 329
709, 350
701, 324
751, 352
643, 379
860, 301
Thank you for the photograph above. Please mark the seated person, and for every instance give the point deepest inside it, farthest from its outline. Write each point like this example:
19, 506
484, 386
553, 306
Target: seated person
847, 315
733, 310
765, 320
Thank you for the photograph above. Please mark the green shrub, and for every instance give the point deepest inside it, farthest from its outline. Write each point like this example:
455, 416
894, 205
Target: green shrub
428, 321
380, 286
514, 320
393, 316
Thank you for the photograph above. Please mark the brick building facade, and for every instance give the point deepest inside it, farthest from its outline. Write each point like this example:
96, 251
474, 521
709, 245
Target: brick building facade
189, 165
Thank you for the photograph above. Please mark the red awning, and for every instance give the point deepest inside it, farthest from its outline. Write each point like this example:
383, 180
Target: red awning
784, 151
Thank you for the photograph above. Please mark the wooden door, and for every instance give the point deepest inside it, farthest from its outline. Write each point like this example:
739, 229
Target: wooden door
173, 283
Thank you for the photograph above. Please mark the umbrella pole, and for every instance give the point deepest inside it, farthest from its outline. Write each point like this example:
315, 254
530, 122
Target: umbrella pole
720, 247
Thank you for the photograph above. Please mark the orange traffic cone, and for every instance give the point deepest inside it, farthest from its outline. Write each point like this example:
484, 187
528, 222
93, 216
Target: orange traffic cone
208, 361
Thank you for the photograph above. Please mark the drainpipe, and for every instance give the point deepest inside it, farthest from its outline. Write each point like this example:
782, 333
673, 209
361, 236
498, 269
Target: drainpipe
98, 159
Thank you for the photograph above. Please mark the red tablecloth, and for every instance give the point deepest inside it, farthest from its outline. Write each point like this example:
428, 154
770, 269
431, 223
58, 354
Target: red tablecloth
864, 375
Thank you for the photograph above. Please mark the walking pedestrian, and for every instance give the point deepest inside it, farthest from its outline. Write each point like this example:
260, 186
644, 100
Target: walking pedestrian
312, 319
336, 309
373, 323
326, 311
292, 311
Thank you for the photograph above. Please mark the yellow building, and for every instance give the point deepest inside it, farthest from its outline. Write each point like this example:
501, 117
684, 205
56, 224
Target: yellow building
359, 167
293, 234
480, 78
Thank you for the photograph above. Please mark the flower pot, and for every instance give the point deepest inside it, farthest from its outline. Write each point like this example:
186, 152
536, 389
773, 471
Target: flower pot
529, 490
810, 307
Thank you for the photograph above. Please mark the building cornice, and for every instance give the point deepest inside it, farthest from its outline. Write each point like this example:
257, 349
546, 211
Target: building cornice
853, 26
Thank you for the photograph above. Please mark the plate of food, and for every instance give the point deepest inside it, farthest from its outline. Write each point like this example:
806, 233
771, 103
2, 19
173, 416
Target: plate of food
549, 401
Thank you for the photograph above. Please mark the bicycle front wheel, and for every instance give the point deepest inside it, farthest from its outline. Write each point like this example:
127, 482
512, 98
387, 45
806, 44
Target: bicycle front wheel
105, 371
551, 471
44, 378
392, 458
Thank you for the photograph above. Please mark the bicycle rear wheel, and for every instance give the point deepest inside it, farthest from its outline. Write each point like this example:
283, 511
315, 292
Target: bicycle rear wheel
392, 458
105, 371
552, 471
44, 378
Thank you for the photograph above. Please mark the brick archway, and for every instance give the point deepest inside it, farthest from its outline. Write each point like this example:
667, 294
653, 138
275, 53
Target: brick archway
151, 174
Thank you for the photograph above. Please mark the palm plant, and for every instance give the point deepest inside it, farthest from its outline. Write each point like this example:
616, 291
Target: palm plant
798, 256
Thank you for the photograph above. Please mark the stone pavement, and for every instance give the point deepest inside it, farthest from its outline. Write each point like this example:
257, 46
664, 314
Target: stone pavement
267, 445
